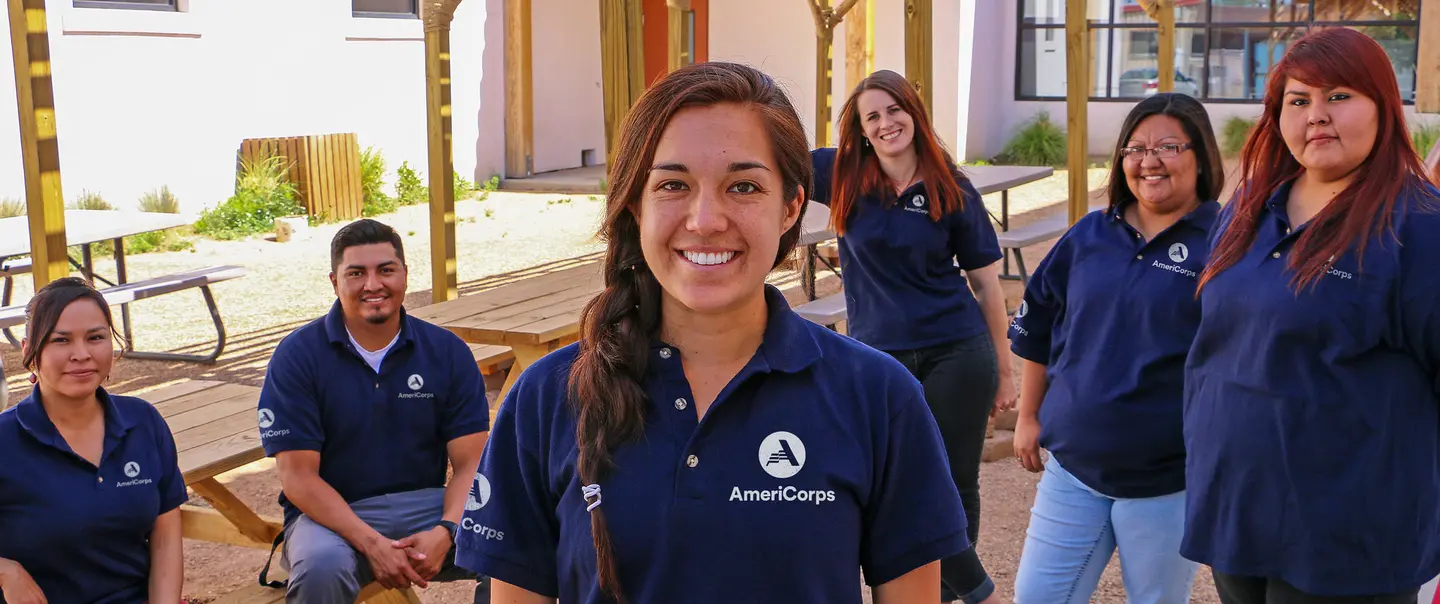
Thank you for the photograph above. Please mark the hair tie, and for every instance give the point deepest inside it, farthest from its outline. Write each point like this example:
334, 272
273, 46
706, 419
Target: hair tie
591, 490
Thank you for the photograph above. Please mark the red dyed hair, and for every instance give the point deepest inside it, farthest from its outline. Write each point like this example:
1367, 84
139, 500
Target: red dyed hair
1324, 59
857, 170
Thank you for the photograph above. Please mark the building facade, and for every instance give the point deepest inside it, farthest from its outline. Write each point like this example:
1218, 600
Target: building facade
162, 92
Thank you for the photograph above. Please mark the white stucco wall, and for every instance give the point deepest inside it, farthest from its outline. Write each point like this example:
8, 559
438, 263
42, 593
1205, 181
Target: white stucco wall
149, 98
569, 102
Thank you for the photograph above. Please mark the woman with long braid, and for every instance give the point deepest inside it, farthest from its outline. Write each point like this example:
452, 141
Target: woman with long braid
702, 442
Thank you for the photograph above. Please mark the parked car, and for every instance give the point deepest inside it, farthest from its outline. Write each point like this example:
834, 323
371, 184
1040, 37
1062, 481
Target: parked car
1145, 81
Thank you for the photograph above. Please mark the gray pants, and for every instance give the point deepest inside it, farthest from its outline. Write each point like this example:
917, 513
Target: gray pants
325, 569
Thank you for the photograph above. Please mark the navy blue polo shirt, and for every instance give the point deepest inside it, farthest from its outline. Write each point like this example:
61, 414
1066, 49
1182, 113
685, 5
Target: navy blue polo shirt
1112, 316
376, 434
819, 459
1312, 419
82, 532
903, 288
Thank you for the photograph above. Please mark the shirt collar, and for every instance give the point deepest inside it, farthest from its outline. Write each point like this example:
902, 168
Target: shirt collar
1201, 217
788, 344
36, 422
337, 334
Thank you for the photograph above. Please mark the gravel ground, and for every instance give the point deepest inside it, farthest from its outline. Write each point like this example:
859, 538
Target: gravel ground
287, 286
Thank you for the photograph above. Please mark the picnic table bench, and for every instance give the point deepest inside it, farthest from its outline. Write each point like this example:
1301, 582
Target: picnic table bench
216, 430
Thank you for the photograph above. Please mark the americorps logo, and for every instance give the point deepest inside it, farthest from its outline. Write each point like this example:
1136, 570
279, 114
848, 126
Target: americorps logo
917, 204
266, 419
479, 496
782, 455
132, 471
1020, 314
416, 382
1178, 252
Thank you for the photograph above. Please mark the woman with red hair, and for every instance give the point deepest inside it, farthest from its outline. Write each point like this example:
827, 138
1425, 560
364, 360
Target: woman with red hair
909, 223
1312, 389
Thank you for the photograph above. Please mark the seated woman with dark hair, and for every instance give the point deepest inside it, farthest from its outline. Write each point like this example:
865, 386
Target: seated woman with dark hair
90, 487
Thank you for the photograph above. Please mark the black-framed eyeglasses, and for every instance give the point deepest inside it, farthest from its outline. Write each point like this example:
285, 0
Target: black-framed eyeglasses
1163, 151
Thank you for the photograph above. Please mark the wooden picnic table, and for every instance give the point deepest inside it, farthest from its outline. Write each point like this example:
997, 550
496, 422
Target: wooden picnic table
216, 430
85, 228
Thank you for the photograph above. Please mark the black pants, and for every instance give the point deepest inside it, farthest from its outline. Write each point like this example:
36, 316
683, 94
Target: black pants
1252, 590
960, 381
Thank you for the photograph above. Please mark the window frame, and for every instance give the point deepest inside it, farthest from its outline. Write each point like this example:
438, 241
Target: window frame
168, 6
1210, 29
413, 14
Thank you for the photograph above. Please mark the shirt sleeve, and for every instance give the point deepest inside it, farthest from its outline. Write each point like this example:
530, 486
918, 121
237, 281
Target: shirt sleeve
914, 515
823, 162
510, 531
1042, 307
172, 481
289, 409
467, 411
972, 237
1419, 311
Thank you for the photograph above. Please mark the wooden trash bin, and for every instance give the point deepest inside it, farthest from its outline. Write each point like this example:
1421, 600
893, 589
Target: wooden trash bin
325, 169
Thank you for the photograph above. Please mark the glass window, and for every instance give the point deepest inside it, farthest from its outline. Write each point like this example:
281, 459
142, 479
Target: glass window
384, 8
1224, 49
135, 4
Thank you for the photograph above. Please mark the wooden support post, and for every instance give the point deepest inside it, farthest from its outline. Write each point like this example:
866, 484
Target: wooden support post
622, 66
1077, 71
39, 143
1427, 66
519, 92
675, 38
1163, 12
859, 43
443, 275
920, 48
826, 19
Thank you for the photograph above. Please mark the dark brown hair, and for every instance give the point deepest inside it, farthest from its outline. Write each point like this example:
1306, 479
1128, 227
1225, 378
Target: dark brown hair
857, 169
363, 232
44, 310
605, 384
1326, 58
1196, 123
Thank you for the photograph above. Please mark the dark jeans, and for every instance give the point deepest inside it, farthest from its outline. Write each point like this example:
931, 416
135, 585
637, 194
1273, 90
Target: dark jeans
1253, 590
960, 380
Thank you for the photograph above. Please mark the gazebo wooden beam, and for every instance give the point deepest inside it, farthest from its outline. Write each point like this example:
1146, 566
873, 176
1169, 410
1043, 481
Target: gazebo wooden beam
39, 144
438, 112
519, 92
1163, 12
859, 43
920, 48
622, 63
826, 19
1077, 73
1427, 67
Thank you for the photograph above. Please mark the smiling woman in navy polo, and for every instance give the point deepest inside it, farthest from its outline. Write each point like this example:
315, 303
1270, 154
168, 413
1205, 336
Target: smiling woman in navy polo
703, 443
909, 223
1312, 391
90, 487
1104, 328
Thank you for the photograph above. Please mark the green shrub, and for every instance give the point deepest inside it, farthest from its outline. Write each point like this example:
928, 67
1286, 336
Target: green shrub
409, 187
90, 201
372, 184
263, 192
157, 241
464, 189
1424, 138
161, 201
1233, 136
1039, 143
11, 207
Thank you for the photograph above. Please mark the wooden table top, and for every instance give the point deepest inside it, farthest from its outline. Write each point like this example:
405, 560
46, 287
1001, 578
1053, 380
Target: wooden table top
87, 226
533, 311
214, 424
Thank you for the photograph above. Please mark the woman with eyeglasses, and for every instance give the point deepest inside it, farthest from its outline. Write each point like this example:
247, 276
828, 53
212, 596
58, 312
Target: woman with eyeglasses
1312, 391
1103, 330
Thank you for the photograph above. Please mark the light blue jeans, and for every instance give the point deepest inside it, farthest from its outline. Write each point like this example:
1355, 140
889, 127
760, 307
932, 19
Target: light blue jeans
1074, 530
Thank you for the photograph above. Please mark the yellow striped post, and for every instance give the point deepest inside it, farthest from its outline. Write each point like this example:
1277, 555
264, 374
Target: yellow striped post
39, 145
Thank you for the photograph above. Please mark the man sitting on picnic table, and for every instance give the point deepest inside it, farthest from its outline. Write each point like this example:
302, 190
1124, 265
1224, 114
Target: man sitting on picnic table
361, 409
